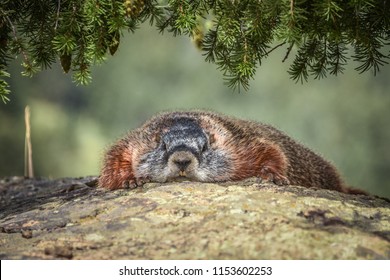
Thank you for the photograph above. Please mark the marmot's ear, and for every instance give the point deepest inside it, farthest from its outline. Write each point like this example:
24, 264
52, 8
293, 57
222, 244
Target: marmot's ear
157, 134
157, 138
211, 138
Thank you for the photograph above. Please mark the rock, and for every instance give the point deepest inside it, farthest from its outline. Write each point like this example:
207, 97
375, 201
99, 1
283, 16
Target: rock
72, 219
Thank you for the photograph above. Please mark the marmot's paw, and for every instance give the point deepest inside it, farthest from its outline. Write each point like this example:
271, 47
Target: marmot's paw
131, 184
272, 176
135, 183
141, 181
281, 180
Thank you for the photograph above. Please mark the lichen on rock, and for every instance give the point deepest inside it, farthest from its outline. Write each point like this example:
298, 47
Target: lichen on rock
72, 219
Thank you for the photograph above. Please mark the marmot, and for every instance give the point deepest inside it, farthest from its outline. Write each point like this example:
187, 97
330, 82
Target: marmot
211, 147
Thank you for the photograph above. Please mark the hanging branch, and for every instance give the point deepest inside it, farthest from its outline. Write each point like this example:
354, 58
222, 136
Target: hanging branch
236, 35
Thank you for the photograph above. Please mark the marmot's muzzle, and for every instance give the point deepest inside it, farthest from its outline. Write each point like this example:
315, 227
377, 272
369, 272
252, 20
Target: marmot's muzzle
183, 161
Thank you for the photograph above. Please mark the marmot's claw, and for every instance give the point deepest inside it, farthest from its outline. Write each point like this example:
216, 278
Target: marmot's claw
268, 175
130, 185
281, 180
135, 183
141, 181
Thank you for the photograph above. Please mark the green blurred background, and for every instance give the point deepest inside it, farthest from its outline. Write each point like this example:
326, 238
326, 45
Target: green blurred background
345, 118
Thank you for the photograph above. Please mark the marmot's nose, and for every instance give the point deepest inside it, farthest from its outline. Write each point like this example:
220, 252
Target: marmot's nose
182, 164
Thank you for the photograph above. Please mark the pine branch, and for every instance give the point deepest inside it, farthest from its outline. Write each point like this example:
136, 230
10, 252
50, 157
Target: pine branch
235, 35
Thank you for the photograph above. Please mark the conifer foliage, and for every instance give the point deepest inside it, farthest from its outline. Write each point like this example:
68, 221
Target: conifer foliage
236, 35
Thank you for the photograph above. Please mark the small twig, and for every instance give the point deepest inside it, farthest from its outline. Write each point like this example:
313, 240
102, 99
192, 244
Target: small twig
28, 164
274, 48
12, 26
25, 56
58, 15
288, 52
245, 41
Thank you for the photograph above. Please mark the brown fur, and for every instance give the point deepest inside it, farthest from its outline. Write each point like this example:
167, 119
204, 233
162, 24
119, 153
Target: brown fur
254, 150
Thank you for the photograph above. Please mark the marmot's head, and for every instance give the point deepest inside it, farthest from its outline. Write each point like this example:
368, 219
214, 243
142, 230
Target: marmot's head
182, 150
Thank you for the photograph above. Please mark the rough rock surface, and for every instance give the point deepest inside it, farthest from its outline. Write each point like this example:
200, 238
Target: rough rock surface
72, 219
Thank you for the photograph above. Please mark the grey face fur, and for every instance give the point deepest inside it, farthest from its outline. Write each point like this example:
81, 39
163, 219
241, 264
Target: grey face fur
183, 151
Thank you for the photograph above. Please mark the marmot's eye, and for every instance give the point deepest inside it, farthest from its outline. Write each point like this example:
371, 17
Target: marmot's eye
204, 148
164, 146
